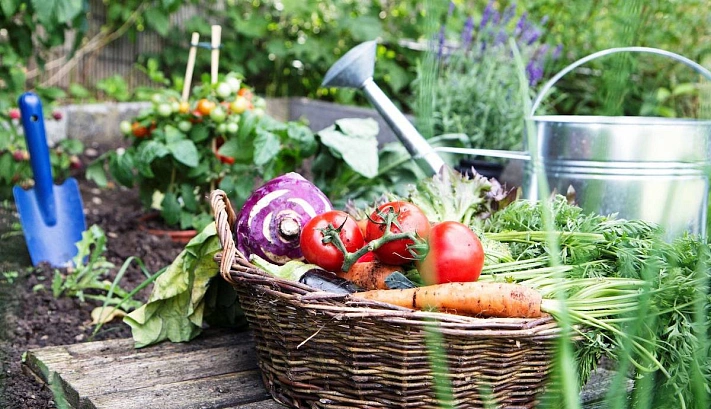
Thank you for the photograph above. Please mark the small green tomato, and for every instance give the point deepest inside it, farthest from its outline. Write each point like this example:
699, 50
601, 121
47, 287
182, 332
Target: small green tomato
164, 110
157, 98
234, 83
218, 114
185, 126
223, 90
125, 127
232, 128
222, 128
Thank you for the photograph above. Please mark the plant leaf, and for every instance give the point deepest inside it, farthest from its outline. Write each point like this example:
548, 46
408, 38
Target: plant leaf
121, 168
170, 208
95, 171
266, 147
147, 152
66, 10
159, 20
355, 141
185, 152
188, 196
199, 132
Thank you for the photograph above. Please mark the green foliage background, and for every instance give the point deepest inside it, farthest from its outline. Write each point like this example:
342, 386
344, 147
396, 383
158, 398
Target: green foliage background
284, 47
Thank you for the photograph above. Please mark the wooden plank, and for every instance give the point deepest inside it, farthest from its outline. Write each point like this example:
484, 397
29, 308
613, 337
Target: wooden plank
216, 370
210, 392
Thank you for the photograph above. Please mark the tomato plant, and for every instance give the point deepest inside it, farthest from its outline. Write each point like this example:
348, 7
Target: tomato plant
454, 254
319, 249
403, 217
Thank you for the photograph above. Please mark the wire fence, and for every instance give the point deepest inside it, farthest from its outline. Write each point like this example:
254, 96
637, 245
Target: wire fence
102, 55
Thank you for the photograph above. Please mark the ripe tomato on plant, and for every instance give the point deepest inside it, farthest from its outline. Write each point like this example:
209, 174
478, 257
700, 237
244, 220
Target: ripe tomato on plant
245, 92
454, 254
406, 217
316, 246
139, 131
219, 141
205, 106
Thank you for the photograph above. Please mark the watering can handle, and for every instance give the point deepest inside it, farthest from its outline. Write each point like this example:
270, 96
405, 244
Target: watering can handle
548, 85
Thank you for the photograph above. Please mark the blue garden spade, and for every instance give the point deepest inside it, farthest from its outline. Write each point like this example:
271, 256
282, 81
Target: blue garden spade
52, 216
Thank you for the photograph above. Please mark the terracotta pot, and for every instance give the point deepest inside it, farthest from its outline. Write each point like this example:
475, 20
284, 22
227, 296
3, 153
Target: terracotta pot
178, 236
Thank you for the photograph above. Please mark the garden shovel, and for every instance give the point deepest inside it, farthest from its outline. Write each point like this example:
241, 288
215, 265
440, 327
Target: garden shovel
52, 216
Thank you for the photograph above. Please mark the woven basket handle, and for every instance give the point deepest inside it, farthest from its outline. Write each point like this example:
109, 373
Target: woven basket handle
225, 218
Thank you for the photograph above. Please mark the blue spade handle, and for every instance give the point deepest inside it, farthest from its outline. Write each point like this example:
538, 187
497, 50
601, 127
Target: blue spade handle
33, 124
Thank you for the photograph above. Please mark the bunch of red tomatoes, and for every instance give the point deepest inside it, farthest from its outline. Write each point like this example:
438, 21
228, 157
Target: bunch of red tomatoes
396, 233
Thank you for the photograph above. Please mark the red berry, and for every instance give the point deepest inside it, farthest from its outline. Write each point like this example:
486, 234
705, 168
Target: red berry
14, 113
20, 155
57, 115
74, 162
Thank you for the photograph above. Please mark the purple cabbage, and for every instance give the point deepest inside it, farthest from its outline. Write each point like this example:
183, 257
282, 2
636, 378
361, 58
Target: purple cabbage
269, 224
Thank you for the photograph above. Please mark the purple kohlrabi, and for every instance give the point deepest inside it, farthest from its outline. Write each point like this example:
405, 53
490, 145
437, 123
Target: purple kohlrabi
269, 224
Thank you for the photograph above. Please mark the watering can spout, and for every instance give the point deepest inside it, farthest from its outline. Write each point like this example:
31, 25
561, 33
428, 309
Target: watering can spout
355, 70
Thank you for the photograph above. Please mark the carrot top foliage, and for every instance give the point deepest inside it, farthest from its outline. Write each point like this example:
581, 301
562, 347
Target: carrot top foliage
636, 298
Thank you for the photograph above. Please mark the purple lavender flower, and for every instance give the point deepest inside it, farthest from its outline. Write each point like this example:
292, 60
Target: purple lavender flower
486, 16
508, 14
521, 25
440, 42
501, 38
530, 35
467, 33
557, 51
534, 71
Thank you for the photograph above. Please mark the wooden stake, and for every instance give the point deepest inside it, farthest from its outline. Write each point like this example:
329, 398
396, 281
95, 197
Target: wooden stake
216, 34
191, 65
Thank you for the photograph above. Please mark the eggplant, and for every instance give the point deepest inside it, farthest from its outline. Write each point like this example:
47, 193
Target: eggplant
323, 280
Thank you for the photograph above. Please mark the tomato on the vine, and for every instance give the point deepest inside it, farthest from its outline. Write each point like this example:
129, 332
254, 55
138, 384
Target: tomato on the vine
406, 218
454, 254
222, 158
139, 131
327, 255
218, 114
184, 107
205, 106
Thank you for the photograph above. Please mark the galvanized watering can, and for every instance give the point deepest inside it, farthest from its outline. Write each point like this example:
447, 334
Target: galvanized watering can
654, 169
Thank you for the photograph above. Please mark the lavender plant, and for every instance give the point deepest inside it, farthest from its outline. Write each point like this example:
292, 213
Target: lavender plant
476, 88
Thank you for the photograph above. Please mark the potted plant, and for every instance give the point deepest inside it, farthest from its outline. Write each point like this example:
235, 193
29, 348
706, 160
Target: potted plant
182, 149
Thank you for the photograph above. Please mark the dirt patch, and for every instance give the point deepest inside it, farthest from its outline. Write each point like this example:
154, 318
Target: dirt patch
30, 317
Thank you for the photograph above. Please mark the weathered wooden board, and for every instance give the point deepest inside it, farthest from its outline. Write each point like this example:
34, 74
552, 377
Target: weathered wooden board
216, 370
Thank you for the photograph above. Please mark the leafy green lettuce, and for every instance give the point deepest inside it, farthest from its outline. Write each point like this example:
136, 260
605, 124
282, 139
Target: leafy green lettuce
188, 293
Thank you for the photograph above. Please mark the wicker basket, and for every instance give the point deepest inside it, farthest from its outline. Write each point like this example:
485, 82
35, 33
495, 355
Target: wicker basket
322, 350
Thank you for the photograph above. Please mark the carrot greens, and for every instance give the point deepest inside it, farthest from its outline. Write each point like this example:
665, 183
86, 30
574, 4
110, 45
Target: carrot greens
629, 294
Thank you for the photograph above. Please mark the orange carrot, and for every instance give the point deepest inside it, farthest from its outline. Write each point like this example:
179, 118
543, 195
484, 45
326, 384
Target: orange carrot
479, 299
370, 275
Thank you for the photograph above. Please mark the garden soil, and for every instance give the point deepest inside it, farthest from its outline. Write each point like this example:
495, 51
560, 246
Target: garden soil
30, 317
